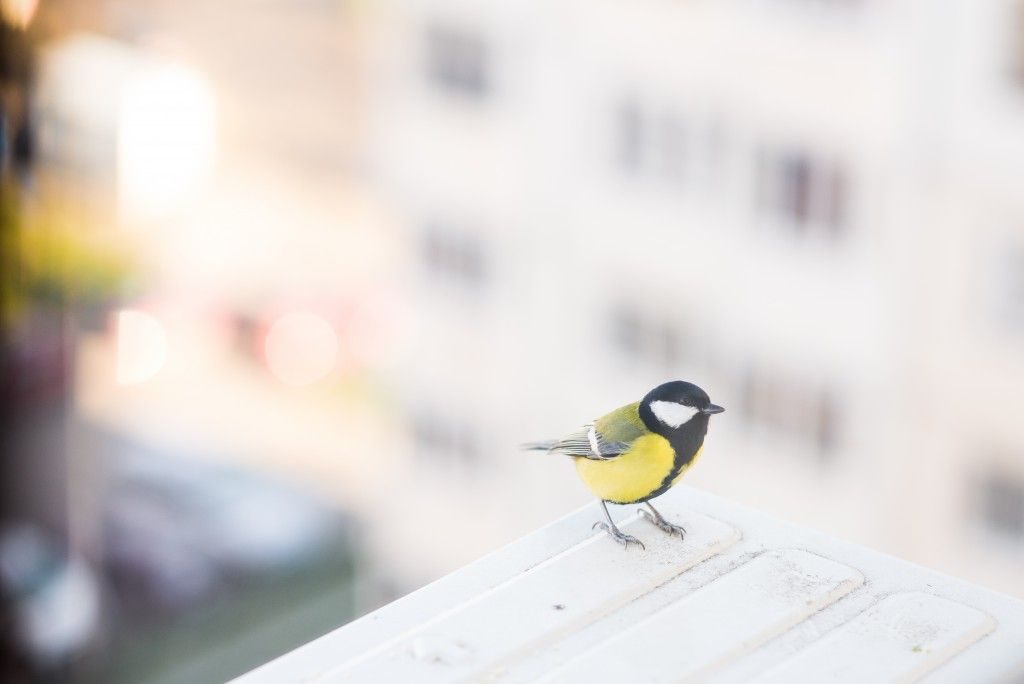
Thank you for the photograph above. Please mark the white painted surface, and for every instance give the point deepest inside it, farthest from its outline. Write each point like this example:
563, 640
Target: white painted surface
537, 607
907, 635
743, 598
738, 612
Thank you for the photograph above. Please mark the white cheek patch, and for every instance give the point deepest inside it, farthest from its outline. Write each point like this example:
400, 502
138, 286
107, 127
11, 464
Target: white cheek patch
672, 414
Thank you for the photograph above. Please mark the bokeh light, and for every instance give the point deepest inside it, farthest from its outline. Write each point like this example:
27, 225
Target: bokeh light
301, 348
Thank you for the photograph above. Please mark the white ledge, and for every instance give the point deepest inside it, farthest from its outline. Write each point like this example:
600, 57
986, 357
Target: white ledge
743, 597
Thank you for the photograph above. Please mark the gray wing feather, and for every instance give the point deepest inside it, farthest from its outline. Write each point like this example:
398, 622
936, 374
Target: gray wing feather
587, 442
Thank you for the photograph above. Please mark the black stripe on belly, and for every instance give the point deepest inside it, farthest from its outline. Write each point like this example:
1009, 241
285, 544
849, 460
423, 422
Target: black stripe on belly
685, 442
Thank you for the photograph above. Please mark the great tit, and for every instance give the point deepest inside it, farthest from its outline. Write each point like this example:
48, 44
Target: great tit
637, 452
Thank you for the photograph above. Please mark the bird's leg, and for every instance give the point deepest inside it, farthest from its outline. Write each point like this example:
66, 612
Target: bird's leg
614, 531
655, 517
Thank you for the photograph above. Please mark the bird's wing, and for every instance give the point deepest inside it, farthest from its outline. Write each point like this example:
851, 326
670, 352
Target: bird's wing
606, 438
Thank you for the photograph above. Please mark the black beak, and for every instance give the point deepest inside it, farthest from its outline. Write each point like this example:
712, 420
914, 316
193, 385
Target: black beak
710, 409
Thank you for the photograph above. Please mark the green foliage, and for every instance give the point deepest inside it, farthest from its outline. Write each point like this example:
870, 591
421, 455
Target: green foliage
47, 261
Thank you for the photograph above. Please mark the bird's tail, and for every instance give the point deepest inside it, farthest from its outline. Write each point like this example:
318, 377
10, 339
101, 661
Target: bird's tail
539, 446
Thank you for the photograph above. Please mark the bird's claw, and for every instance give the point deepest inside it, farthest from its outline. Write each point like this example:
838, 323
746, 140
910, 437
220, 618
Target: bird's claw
664, 525
614, 533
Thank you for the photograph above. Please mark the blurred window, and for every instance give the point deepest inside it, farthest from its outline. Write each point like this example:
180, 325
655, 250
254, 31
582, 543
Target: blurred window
1008, 288
647, 339
627, 331
795, 407
803, 192
445, 438
630, 135
1002, 504
1017, 43
656, 141
827, 423
457, 61
453, 255
673, 146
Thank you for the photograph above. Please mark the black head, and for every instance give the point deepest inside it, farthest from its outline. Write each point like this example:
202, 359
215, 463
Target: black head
672, 405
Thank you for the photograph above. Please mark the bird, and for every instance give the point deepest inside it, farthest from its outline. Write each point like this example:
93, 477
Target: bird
639, 451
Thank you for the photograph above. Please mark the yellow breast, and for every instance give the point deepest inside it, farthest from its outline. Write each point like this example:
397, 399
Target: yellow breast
633, 475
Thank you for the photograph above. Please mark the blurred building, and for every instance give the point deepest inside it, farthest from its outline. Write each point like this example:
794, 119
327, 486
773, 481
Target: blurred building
378, 245
808, 207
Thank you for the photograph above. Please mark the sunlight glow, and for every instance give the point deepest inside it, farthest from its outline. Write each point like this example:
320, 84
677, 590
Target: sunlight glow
166, 140
18, 13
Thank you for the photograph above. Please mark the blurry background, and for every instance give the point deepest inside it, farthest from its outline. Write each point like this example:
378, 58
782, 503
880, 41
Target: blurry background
283, 284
